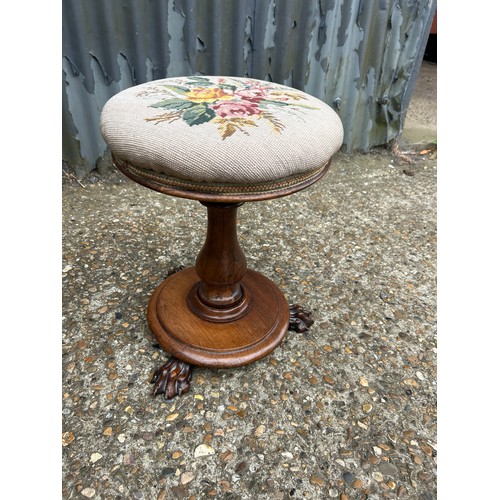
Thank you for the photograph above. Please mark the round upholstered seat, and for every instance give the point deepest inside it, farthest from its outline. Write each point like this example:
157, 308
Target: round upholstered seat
220, 138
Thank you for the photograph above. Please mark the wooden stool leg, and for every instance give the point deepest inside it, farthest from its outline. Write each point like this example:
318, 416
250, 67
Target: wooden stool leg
172, 379
300, 319
219, 314
221, 265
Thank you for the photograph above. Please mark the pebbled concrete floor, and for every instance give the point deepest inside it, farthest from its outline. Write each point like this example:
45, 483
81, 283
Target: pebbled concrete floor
346, 411
421, 118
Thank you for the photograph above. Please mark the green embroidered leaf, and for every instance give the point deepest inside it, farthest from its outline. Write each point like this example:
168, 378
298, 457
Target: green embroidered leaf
177, 88
198, 114
227, 86
266, 102
199, 81
173, 104
199, 78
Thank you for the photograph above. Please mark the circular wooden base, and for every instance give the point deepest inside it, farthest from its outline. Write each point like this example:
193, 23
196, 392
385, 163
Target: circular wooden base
200, 342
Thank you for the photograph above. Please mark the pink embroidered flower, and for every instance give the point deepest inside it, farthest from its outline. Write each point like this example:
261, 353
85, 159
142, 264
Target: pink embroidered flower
232, 109
255, 94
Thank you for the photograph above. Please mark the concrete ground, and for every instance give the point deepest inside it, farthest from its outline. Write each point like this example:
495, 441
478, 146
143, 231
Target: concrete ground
421, 119
345, 411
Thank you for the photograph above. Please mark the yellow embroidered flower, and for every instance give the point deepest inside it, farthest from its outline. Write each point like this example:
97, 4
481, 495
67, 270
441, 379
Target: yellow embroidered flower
204, 94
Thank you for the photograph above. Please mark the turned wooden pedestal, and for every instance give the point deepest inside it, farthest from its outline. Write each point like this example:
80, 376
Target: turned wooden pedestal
219, 313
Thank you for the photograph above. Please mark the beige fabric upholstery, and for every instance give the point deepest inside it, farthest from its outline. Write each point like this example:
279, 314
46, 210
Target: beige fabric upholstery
220, 129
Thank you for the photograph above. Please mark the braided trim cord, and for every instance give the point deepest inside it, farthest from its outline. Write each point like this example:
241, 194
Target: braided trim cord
221, 188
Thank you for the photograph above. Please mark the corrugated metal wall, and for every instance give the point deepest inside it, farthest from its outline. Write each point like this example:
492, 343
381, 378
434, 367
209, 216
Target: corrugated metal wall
359, 56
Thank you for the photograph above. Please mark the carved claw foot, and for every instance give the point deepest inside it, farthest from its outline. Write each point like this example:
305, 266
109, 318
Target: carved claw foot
175, 270
300, 319
172, 379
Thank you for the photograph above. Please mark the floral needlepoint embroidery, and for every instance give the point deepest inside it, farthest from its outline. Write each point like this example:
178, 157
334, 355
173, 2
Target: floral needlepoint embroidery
231, 104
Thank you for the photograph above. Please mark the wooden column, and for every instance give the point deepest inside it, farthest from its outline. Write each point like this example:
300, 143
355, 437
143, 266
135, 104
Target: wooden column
221, 265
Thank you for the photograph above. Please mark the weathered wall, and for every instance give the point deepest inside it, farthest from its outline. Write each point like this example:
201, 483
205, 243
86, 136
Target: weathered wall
359, 56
